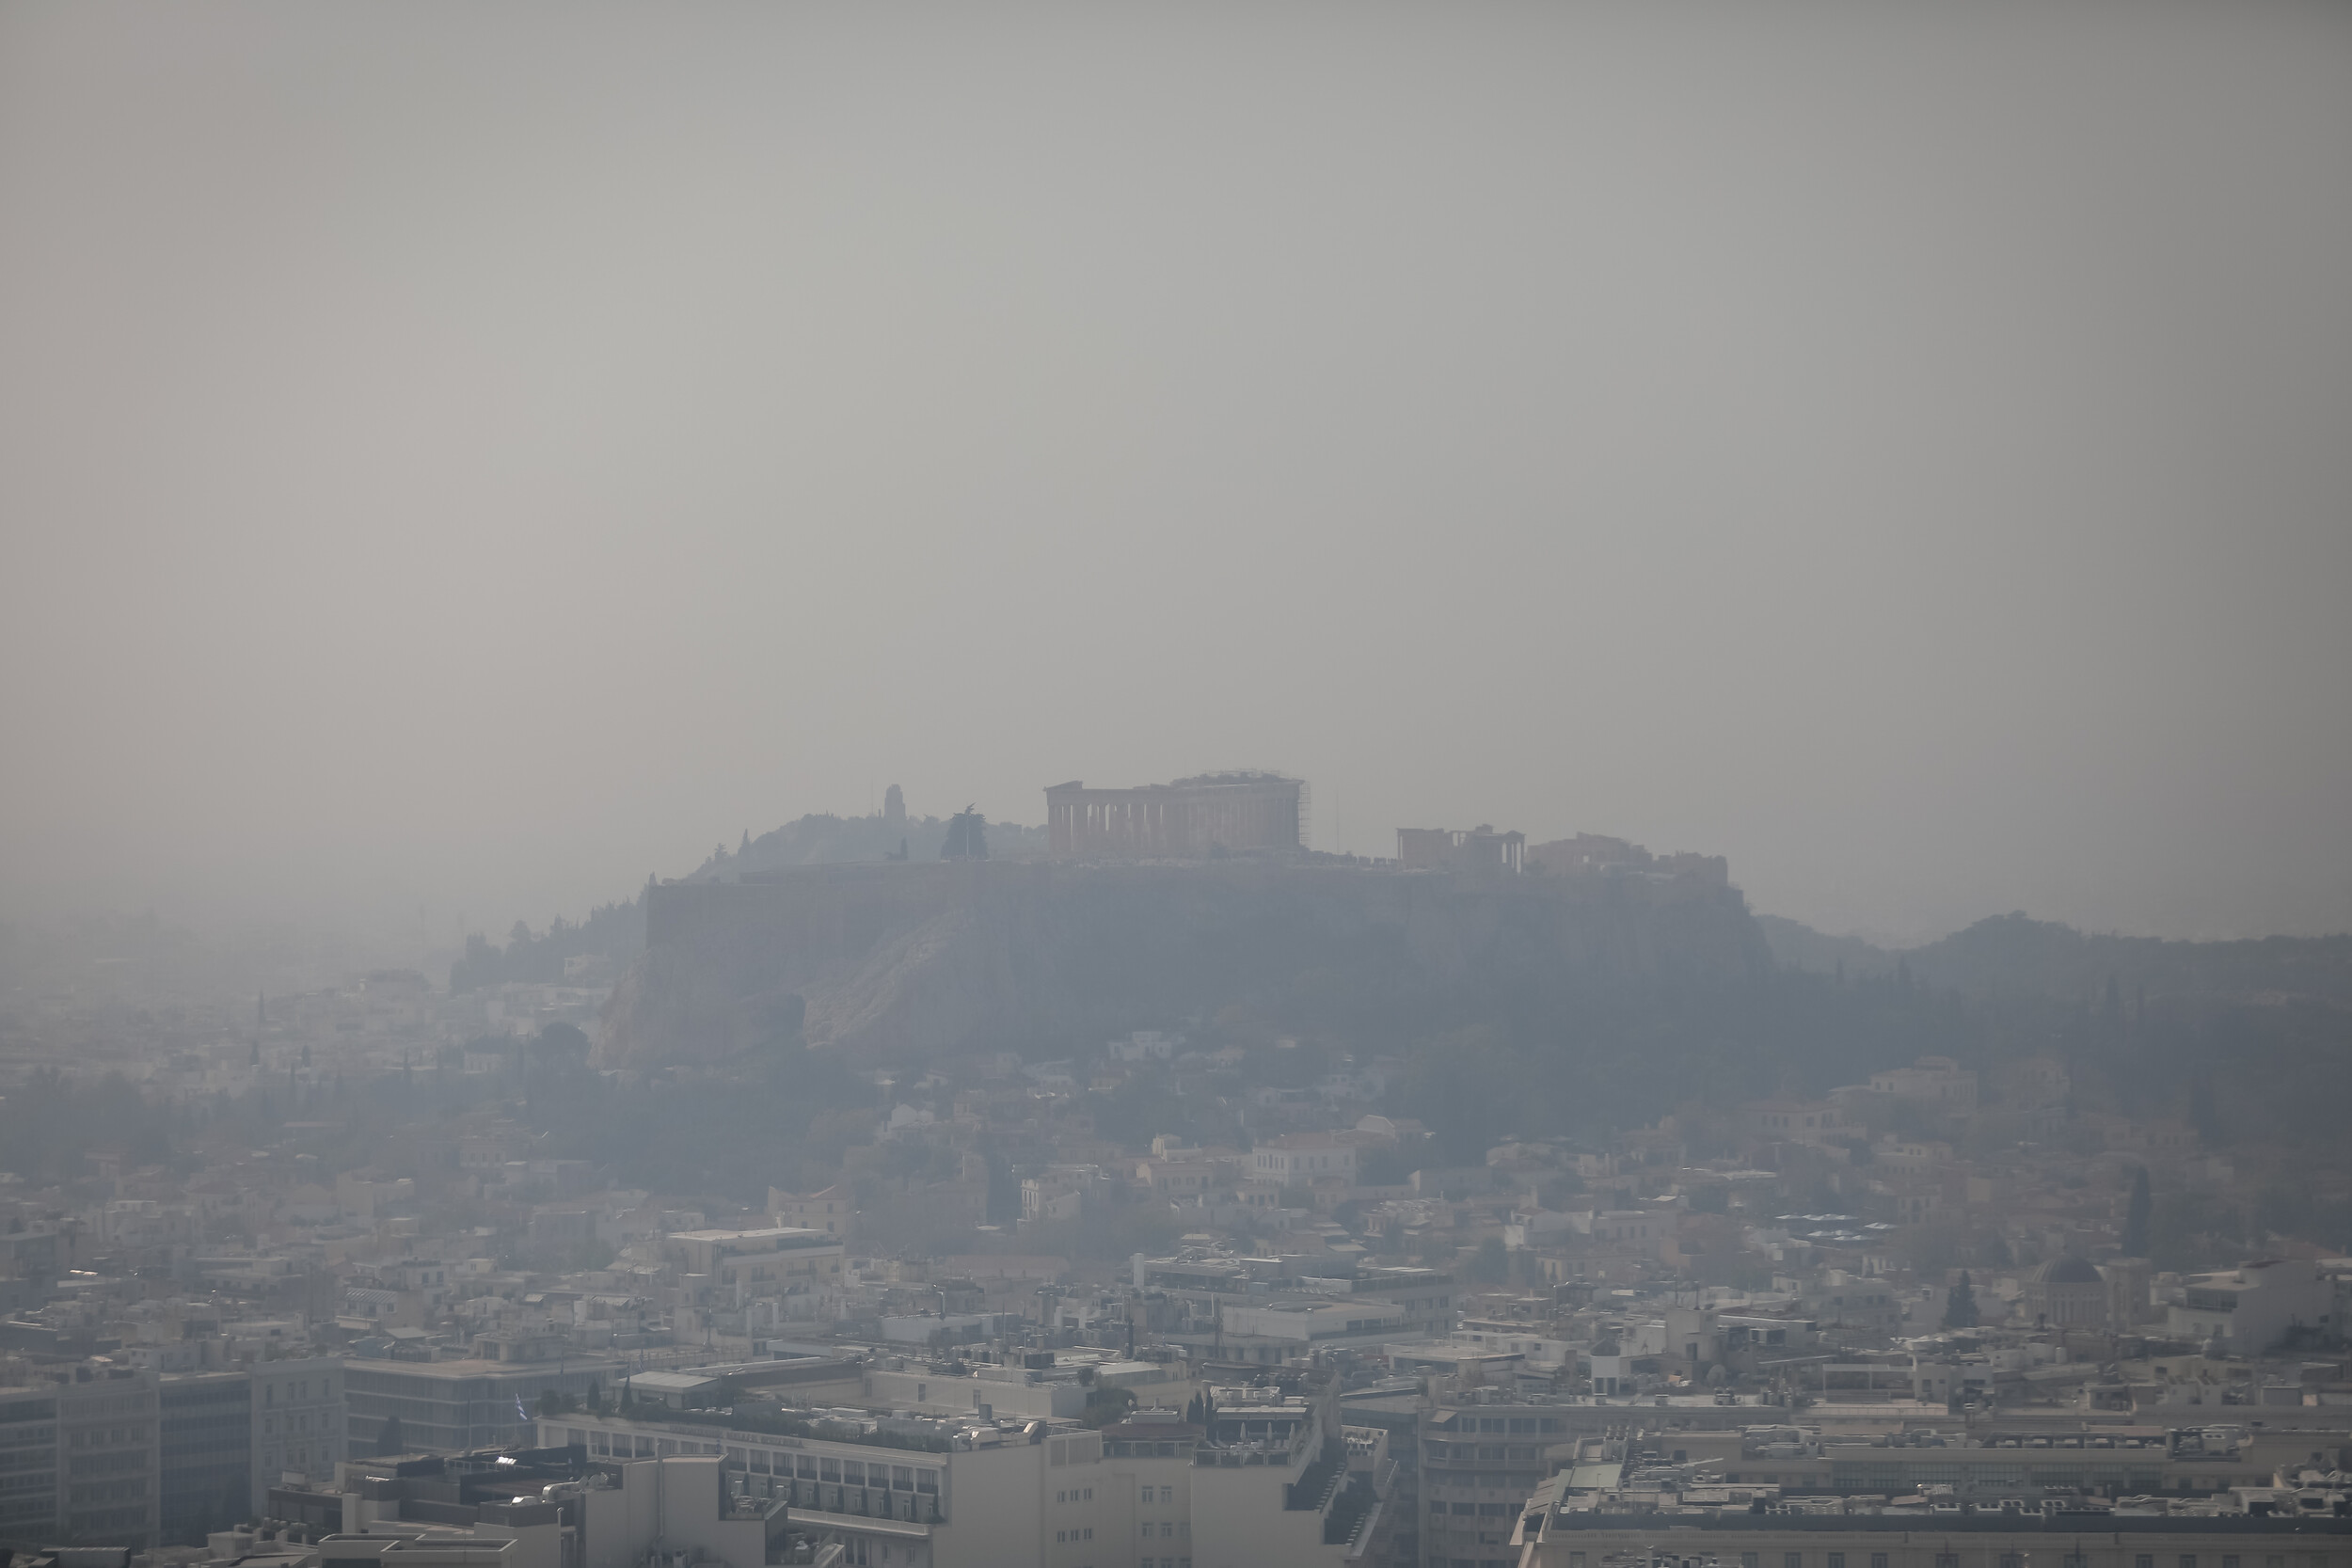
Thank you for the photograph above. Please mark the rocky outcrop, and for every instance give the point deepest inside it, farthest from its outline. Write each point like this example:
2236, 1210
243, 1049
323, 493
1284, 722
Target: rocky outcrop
915, 960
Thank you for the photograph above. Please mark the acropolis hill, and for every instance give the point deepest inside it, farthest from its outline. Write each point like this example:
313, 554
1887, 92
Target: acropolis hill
913, 960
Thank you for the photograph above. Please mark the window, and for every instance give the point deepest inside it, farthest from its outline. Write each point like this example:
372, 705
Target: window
2189, 1559
1878, 1560
1836, 1559
1793, 1559
1749, 1560
2145, 1559
2012, 1559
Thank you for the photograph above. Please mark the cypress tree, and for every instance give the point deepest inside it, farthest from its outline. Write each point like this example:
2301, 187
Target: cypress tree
2135, 1215
1959, 1308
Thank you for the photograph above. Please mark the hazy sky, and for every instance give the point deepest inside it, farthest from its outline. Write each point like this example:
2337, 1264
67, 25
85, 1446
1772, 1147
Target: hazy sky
462, 458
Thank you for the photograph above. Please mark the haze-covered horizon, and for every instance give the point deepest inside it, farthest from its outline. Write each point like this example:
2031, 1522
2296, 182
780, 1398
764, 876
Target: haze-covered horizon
456, 463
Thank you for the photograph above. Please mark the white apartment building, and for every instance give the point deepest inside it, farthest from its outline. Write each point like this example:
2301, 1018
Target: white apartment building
298, 1422
1937, 1081
2251, 1308
28, 1463
1303, 1157
109, 1457
1148, 1493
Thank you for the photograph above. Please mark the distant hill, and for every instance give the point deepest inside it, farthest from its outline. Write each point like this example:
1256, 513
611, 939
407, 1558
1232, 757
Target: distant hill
617, 931
824, 839
2013, 954
924, 960
1796, 946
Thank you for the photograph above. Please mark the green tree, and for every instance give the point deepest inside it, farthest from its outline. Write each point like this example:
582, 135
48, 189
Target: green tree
2135, 1215
1959, 1308
1106, 1405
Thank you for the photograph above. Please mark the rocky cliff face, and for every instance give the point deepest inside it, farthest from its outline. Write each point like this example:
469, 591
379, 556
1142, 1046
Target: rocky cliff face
905, 963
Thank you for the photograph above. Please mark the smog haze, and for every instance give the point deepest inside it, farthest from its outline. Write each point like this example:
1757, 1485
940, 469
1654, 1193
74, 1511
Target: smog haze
455, 462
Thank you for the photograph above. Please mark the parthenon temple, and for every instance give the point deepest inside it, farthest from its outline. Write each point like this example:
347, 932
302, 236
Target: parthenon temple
1188, 818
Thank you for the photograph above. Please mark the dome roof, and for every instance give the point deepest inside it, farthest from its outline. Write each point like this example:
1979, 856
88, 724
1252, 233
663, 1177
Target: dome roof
2067, 1271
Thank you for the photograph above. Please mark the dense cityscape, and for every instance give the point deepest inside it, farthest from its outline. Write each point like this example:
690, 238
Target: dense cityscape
448, 1268
1327, 785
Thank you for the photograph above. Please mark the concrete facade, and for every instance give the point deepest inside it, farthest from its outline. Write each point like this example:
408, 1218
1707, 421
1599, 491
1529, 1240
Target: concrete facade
207, 1453
110, 1462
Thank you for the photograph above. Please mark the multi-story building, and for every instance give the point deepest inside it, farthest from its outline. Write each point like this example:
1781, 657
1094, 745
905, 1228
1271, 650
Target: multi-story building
1303, 1157
1935, 1081
1152, 1504
762, 1262
28, 1464
830, 1211
539, 1510
1243, 1310
1268, 1481
1271, 1483
1479, 1464
206, 1446
298, 1415
1270, 1331
890, 1500
2253, 1307
110, 1490
450, 1406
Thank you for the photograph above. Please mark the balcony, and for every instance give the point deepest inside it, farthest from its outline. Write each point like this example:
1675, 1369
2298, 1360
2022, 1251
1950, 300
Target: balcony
860, 1524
